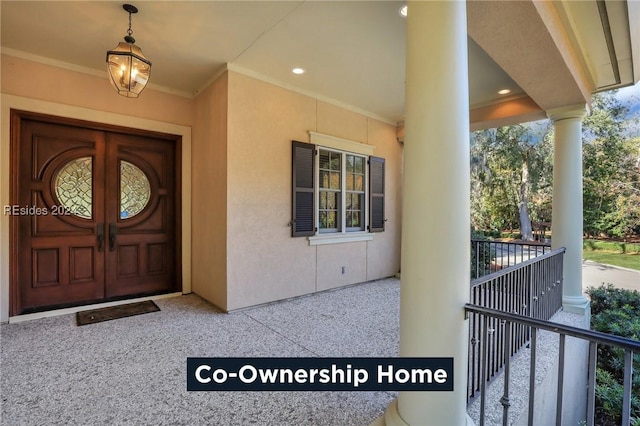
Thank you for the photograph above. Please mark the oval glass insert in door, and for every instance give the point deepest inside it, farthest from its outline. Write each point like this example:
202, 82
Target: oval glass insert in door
73, 187
135, 190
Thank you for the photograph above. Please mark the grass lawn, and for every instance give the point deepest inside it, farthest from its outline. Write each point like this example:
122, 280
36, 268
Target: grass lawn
612, 246
631, 261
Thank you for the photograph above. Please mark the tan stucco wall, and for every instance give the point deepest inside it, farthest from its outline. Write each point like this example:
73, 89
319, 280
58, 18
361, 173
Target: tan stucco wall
49, 83
383, 253
210, 194
264, 262
47, 89
243, 252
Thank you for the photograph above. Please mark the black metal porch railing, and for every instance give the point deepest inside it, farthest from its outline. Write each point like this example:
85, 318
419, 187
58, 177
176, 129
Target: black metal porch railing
490, 256
510, 322
533, 289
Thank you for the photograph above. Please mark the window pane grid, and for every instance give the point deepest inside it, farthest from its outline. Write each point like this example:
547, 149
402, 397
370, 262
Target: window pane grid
341, 191
330, 182
354, 208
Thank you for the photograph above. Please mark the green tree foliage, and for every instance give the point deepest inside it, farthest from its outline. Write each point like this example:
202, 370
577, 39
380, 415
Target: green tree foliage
611, 170
510, 177
512, 172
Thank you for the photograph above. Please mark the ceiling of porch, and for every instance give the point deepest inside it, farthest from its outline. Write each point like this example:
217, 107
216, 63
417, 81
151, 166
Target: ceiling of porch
548, 54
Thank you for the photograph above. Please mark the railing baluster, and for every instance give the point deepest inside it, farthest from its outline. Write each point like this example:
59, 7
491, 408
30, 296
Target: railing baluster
628, 373
507, 371
475, 254
591, 389
472, 360
560, 379
483, 372
476, 347
532, 375
500, 329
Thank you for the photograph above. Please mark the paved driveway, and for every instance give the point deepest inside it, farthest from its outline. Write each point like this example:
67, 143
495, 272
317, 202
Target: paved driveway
594, 274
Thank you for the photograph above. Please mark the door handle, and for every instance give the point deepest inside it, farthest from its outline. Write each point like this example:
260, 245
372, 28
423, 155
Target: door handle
100, 236
112, 236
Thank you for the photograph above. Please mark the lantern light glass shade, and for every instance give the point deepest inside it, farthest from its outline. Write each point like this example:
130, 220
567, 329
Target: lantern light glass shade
128, 69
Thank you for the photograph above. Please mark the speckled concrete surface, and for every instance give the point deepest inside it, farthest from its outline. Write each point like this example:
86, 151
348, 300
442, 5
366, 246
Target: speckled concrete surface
133, 370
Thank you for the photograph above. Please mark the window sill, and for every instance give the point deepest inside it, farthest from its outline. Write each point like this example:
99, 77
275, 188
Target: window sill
318, 240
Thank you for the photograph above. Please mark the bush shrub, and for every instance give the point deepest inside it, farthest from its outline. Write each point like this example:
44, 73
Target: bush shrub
615, 311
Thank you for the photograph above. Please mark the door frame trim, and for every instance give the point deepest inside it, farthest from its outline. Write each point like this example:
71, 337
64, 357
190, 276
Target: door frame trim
108, 121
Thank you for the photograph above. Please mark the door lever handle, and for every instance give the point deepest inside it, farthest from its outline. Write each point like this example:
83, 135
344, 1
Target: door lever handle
112, 236
100, 236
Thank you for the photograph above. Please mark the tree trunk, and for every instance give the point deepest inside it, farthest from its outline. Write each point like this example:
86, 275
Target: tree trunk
523, 200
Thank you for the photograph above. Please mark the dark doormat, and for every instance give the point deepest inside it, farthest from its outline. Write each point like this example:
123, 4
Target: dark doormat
114, 312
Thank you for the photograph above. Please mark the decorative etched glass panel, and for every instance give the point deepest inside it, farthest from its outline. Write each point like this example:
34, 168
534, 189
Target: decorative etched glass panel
73, 186
135, 190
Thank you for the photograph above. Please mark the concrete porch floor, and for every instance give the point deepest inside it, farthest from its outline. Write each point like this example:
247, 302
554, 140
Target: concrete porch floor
133, 370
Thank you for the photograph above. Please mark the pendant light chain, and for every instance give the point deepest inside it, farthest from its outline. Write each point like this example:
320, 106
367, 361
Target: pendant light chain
129, 31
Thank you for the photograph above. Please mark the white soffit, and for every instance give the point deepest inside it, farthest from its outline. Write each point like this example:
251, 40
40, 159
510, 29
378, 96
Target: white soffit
484, 85
515, 35
186, 41
609, 65
352, 51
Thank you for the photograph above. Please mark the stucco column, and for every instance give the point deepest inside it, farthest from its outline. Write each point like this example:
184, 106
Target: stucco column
436, 208
566, 219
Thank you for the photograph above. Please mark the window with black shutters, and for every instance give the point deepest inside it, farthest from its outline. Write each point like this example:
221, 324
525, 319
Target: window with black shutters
336, 192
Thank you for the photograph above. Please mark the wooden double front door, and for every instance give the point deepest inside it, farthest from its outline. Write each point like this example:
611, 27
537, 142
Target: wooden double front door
94, 214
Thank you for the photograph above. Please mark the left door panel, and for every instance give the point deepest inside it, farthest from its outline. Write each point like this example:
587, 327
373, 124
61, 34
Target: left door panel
59, 212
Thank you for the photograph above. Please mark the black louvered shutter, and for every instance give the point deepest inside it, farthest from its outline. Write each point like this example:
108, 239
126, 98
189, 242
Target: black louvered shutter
376, 202
303, 208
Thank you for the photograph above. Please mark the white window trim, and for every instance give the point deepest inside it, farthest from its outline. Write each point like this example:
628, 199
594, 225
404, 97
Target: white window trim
337, 238
328, 141
344, 146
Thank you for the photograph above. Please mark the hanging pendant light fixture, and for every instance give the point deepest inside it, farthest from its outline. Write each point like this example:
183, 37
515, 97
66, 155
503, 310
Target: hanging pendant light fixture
128, 69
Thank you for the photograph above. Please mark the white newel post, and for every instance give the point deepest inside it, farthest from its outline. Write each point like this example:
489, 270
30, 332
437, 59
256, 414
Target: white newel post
566, 221
436, 208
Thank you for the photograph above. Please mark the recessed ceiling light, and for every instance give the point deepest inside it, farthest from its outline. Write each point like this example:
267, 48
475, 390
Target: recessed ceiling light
297, 71
403, 11
504, 92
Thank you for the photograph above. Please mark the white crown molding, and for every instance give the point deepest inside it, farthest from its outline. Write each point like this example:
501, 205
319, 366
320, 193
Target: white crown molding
253, 74
81, 69
216, 75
